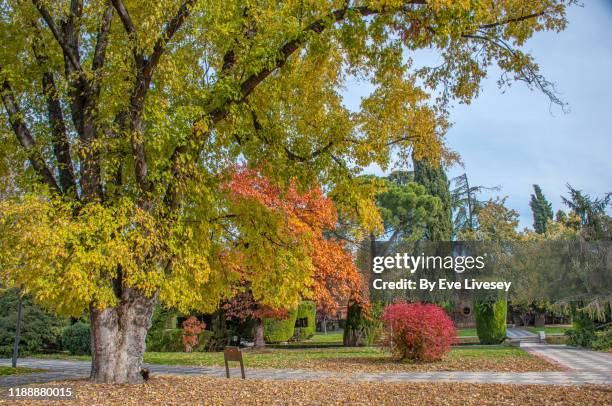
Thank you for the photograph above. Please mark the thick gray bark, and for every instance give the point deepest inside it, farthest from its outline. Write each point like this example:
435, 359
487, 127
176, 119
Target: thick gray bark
118, 338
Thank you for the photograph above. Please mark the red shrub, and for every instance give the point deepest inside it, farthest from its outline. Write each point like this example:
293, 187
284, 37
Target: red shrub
417, 331
191, 328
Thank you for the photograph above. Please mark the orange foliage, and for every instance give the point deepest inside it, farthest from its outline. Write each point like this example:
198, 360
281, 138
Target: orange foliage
191, 328
335, 279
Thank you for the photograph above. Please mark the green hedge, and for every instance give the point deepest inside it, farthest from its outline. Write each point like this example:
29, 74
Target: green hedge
76, 338
307, 311
361, 329
491, 320
279, 330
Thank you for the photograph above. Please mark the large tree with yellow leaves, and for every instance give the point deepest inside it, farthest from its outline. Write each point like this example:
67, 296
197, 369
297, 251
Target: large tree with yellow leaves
122, 118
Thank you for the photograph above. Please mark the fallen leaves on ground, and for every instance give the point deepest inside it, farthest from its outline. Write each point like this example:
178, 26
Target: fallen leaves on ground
370, 359
220, 391
466, 364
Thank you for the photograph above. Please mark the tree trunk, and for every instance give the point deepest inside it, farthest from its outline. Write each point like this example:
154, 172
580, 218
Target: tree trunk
118, 338
259, 341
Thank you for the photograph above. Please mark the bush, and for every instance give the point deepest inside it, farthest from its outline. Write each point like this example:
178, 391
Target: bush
204, 341
417, 331
305, 320
39, 330
163, 318
491, 320
583, 331
192, 327
76, 338
279, 330
166, 340
603, 340
363, 325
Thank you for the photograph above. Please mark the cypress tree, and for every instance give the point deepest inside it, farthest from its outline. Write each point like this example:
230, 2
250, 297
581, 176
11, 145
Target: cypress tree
433, 177
542, 210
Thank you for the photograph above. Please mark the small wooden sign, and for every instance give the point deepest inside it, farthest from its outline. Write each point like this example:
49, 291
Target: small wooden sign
233, 354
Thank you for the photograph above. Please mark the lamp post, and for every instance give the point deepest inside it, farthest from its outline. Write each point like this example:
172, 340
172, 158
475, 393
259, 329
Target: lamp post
17, 329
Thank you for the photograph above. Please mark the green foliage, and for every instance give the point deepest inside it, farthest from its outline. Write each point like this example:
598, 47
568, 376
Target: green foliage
541, 209
163, 318
203, 341
277, 330
603, 340
306, 312
583, 331
448, 306
494, 222
39, 329
433, 178
593, 221
363, 327
76, 338
170, 340
408, 210
165, 340
491, 320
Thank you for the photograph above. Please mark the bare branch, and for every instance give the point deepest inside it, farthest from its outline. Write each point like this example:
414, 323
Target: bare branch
511, 20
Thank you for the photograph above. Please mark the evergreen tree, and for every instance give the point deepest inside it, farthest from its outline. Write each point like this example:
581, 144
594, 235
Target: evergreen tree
595, 223
436, 183
466, 204
542, 210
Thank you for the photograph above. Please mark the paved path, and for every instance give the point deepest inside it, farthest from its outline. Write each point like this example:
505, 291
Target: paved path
520, 334
584, 367
572, 358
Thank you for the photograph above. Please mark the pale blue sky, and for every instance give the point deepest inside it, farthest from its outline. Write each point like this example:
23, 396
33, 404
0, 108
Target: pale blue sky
516, 139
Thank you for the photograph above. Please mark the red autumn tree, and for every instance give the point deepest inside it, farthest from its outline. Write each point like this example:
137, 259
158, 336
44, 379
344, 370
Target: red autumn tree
307, 216
192, 327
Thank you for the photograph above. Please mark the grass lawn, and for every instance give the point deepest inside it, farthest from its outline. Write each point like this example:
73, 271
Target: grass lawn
16, 371
217, 391
550, 329
333, 337
466, 332
365, 359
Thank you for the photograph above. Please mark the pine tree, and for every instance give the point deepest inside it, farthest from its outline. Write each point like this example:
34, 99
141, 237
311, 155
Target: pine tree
542, 210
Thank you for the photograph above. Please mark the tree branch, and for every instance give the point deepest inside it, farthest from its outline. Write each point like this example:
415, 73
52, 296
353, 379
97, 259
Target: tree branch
68, 53
144, 73
172, 27
125, 18
25, 137
285, 51
102, 39
511, 20
61, 146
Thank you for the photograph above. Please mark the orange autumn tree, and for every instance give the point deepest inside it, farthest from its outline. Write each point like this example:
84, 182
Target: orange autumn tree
306, 218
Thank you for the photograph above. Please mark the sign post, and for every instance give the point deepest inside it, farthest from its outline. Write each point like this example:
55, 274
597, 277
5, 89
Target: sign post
233, 354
